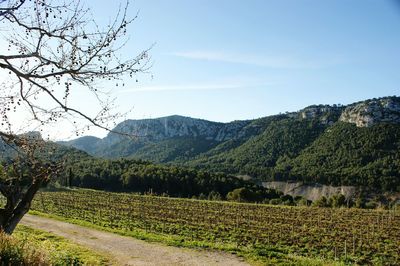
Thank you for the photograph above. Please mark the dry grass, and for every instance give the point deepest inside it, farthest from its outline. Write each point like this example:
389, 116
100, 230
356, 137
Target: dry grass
17, 252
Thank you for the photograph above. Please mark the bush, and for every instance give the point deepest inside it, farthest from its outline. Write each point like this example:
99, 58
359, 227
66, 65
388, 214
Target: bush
303, 202
202, 196
360, 202
15, 252
322, 202
275, 201
214, 195
287, 200
337, 201
371, 205
240, 195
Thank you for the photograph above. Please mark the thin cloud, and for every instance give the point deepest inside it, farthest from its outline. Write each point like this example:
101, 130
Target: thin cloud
281, 62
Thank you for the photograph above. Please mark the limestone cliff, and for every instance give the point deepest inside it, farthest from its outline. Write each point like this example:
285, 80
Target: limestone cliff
371, 112
311, 191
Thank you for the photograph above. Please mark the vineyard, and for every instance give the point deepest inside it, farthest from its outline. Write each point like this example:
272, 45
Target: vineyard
349, 235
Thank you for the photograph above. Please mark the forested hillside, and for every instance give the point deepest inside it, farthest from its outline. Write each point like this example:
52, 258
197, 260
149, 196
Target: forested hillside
357, 144
348, 155
145, 177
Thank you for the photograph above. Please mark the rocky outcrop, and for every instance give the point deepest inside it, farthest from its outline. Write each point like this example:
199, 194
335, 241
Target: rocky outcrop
371, 112
326, 114
176, 126
310, 191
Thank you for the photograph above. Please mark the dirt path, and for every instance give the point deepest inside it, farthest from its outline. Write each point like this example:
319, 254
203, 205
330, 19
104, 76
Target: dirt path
130, 251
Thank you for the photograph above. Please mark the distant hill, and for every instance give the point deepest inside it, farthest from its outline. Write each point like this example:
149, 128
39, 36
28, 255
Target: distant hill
357, 144
44, 149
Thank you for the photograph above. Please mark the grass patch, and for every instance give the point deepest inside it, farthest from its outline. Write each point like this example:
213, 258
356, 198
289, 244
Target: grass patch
59, 251
14, 251
265, 255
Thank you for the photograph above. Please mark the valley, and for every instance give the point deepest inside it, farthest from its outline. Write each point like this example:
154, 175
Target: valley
355, 145
216, 133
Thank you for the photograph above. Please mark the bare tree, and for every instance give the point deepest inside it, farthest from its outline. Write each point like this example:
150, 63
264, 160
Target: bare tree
53, 48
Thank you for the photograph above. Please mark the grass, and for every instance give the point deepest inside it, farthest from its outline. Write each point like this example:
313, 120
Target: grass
265, 255
58, 250
17, 252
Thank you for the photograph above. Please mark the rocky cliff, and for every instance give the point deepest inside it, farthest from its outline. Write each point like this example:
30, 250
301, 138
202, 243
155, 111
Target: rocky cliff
326, 114
371, 112
176, 126
311, 191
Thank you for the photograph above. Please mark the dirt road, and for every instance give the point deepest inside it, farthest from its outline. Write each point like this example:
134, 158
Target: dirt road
130, 251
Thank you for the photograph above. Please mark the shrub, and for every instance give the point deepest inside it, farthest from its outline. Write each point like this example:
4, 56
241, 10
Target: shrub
337, 200
371, 205
214, 195
322, 202
16, 252
275, 201
242, 195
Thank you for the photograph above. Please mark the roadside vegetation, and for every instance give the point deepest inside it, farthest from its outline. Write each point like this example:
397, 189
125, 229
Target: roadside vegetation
29, 246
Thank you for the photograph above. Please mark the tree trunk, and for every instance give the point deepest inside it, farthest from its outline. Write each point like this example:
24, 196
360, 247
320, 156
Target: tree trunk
12, 215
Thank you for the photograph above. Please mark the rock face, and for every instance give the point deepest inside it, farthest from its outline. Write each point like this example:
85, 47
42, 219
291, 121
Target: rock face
311, 192
371, 112
196, 132
326, 114
176, 126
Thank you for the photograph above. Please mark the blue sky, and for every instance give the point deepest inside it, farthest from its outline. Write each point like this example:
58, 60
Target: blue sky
225, 60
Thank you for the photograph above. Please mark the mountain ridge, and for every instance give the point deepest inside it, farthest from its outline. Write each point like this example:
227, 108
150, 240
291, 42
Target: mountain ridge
266, 147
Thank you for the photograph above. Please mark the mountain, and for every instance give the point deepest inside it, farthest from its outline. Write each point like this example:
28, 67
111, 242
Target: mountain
161, 140
86, 143
42, 149
357, 144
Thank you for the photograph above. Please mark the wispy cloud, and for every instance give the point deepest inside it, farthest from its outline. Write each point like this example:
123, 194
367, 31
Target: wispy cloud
281, 62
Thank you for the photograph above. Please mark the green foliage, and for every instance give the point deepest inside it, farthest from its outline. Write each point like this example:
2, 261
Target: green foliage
259, 154
347, 155
178, 149
17, 252
241, 195
214, 195
29, 246
275, 201
306, 150
371, 204
315, 149
360, 202
57, 250
303, 202
144, 177
274, 231
337, 200
322, 202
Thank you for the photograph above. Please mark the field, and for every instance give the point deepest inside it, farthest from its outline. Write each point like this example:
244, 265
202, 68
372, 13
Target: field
346, 235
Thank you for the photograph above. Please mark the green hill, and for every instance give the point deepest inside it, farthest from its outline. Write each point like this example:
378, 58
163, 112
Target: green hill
357, 144
348, 155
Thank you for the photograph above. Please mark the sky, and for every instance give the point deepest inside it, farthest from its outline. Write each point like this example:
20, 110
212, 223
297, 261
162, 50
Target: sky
225, 60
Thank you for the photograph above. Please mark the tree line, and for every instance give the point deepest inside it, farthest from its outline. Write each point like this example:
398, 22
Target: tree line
129, 175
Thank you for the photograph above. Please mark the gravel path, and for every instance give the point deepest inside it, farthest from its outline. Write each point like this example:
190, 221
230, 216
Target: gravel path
130, 251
